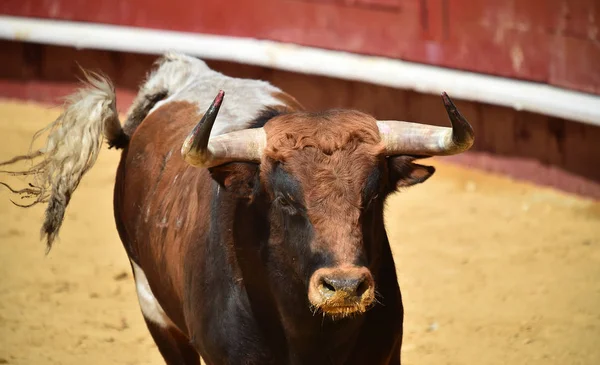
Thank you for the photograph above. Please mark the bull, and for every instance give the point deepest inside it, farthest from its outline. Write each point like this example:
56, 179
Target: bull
256, 237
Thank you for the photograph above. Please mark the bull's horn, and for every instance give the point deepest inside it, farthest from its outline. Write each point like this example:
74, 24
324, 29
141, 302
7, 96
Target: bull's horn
202, 151
404, 138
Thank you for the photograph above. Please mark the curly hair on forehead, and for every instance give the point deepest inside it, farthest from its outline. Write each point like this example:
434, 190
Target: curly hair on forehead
327, 132
330, 153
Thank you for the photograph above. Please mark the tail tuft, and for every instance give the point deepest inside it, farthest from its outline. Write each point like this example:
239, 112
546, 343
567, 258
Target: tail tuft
72, 146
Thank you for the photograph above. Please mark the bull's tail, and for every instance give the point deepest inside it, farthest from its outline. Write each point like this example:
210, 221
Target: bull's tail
72, 146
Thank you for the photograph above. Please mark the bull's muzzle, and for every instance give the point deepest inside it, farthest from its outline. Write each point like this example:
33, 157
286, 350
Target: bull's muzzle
342, 291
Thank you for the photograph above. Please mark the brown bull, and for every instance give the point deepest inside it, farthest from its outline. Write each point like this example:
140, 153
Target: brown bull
258, 238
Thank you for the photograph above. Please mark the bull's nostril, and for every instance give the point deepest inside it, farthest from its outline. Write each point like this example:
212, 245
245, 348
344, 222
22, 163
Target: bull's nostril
327, 286
362, 288
350, 286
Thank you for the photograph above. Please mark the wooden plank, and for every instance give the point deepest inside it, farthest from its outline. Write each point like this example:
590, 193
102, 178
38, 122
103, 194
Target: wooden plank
534, 139
582, 150
383, 103
496, 132
576, 64
11, 65
581, 19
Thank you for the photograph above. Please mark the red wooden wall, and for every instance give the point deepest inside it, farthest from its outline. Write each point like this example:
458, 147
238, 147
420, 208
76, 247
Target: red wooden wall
549, 41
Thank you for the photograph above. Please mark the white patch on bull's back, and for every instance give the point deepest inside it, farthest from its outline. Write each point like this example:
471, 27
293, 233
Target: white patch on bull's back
189, 79
150, 307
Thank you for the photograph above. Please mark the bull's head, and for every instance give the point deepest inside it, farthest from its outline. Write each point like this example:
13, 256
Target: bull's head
325, 177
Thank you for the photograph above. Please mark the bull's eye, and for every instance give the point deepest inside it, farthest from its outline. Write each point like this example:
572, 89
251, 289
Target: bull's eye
285, 205
283, 202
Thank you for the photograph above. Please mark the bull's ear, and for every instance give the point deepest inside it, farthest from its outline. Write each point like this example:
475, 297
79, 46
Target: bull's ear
403, 172
238, 178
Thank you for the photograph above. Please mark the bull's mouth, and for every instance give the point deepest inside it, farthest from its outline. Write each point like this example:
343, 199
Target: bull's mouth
340, 305
340, 312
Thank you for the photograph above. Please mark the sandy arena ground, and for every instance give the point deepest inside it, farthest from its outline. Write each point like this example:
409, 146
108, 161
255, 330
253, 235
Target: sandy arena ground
492, 271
